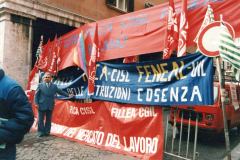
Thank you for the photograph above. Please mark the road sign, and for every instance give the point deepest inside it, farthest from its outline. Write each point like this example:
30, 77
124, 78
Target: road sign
208, 40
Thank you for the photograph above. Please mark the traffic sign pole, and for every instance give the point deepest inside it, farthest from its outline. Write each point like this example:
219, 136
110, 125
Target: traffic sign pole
223, 99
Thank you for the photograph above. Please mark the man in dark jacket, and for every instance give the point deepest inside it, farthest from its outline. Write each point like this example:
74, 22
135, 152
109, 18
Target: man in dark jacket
16, 116
44, 102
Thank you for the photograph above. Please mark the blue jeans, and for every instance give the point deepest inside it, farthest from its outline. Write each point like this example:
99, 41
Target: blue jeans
44, 129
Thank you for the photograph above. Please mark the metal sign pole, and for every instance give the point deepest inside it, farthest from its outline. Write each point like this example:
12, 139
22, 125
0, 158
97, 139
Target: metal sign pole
223, 98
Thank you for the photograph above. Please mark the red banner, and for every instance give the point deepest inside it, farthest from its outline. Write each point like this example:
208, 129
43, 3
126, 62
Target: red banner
134, 130
143, 31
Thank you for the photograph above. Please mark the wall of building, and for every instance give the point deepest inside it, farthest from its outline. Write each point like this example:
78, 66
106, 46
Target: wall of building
95, 9
2, 26
15, 50
140, 4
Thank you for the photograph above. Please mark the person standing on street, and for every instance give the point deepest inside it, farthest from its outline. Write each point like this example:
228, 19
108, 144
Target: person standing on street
16, 116
44, 102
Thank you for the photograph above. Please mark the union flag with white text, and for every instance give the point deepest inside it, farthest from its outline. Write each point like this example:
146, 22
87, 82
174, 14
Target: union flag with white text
43, 58
92, 62
52, 65
171, 39
183, 30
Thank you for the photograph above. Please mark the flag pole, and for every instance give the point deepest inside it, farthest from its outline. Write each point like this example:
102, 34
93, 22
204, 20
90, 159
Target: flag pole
223, 99
39, 54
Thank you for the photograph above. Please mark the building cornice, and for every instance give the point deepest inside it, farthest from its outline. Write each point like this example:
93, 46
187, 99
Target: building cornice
34, 9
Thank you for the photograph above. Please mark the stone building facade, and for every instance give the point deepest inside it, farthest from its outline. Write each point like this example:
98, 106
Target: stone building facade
18, 31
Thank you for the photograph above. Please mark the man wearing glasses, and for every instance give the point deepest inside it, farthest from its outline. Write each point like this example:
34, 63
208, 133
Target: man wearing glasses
44, 102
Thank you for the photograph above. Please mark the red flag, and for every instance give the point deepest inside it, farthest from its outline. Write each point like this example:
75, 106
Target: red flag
171, 38
92, 62
58, 59
183, 30
43, 59
53, 58
33, 79
130, 59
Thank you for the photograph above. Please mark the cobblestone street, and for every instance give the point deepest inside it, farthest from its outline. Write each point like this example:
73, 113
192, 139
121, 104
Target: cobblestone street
56, 148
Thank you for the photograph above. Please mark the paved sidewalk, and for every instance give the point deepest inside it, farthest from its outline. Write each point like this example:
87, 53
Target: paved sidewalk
57, 148
235, 153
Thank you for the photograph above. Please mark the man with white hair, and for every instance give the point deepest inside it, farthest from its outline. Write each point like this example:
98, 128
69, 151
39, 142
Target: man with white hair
44, 102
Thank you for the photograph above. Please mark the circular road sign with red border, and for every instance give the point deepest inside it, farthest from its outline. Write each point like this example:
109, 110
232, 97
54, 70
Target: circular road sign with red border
208, 40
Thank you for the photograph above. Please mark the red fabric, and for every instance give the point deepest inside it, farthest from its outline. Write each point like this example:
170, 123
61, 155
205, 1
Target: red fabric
58, 57
92, 62
207, 20
171, 39
134, 130
43, 59
143, 31
51, 67
31, 76
130, 59
183, 30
